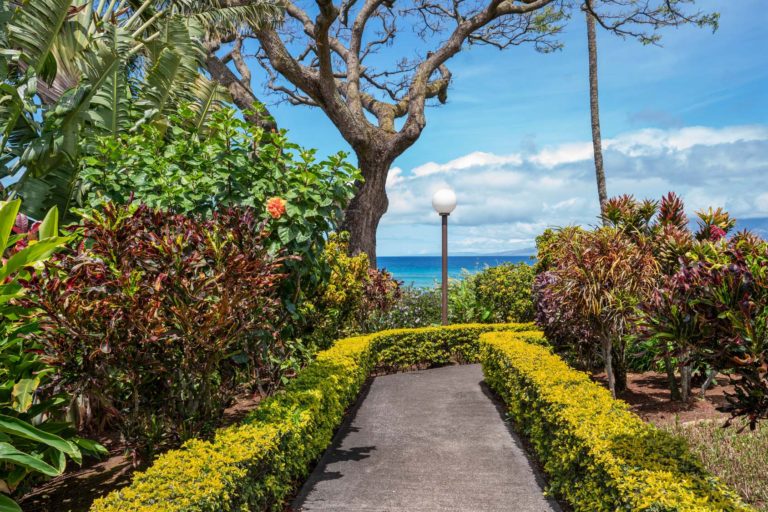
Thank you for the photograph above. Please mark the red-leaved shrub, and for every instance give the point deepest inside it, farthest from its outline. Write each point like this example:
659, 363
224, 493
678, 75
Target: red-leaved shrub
145, 316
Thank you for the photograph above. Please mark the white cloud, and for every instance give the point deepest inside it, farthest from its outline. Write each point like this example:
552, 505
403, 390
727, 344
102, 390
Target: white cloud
563, 154
472, 160
506, 200
652, 141
394, 177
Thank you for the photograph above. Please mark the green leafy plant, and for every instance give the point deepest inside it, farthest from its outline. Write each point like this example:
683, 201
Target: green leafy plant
462, 301
352, 295
504, 293
35, 438
416, 307
72, 69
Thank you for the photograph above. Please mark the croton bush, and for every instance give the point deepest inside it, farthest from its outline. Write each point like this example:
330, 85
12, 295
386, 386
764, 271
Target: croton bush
351, 299
714, 311
150, 315
600, 278
693, 299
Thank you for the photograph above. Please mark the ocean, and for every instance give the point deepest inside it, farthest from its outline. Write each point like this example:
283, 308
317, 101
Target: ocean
424, 271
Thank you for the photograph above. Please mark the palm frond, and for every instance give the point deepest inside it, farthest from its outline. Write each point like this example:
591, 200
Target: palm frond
166, 83
183, 35
111, 107
33, 30
50, 160
209, 96
54, 188
6, 13
219, 18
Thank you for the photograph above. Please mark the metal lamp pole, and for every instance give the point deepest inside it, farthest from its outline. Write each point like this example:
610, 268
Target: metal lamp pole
444, 202
444, 216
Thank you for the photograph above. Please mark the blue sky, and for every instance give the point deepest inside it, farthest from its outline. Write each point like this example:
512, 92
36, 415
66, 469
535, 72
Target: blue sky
690, 116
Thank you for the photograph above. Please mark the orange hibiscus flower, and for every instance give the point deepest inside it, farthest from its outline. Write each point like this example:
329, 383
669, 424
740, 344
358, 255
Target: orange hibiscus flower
276, 207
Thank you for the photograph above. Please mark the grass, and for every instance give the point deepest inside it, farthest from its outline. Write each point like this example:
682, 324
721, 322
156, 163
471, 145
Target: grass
738, 458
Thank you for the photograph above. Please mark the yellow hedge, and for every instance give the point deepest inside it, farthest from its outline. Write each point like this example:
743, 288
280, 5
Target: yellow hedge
598, 455
257, 464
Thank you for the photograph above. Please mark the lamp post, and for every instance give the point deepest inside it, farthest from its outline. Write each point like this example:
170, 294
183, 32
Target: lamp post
444, 202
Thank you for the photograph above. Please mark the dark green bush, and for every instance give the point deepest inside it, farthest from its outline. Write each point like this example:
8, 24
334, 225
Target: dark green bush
504, 293
416, 307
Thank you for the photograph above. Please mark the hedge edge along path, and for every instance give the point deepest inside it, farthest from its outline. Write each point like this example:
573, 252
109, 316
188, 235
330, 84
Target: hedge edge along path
256, 465
598, 456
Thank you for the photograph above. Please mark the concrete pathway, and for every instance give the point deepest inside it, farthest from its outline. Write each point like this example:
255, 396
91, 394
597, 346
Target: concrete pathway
425, 441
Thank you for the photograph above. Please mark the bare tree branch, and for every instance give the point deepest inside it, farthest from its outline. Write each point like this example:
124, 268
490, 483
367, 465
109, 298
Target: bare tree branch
241, 93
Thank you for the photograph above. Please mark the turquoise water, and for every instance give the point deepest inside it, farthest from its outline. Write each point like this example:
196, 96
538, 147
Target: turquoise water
424, 271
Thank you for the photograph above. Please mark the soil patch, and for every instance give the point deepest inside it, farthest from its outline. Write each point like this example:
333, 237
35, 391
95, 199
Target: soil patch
648, 396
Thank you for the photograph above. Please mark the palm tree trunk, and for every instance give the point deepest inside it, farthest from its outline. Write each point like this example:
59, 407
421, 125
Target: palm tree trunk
594, 106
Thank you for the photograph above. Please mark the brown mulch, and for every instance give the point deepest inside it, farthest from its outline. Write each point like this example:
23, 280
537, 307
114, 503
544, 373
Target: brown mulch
649, 397
75, 490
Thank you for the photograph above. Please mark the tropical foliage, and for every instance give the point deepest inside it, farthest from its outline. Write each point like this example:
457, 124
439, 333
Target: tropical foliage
226, 162
691, 299
150, 316
503, 293
73, 69
353, 293
416, 307
713, 313
35, 438
600, 278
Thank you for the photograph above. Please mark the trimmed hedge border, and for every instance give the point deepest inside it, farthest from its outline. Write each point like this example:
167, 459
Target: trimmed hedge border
257, 464
597, 454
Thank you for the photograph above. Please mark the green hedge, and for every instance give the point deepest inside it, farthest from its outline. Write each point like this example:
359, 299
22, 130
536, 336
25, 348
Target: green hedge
257, 464
598, 455
400, 349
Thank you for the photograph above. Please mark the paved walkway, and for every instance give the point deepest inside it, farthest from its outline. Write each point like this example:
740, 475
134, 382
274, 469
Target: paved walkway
425, 441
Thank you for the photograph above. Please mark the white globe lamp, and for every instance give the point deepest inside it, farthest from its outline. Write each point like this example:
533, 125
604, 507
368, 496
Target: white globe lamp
444, 201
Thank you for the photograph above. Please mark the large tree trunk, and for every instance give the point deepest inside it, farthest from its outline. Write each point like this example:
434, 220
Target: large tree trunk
594, 107
369, 204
